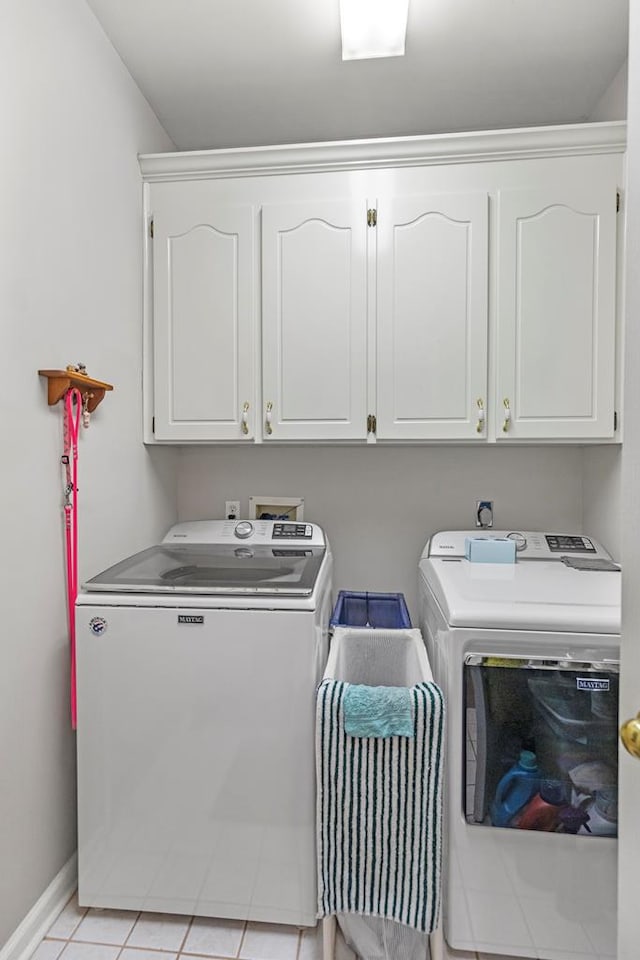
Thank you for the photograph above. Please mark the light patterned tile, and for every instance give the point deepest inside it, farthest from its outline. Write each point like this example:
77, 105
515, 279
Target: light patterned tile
48, 950
451, 954
159, 931
133, 953
311, 943
214, 938
493, 956
89, 951
67, 920
269, 941
343, 950
552, 954
106, 926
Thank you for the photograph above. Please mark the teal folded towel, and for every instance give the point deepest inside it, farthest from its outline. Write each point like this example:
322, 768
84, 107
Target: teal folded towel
378, 711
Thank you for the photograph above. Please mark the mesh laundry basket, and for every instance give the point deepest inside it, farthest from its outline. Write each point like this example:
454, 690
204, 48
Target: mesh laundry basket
373, 938
390, 658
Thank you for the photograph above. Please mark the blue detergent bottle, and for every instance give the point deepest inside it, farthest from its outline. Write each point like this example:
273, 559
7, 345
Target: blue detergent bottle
515, 789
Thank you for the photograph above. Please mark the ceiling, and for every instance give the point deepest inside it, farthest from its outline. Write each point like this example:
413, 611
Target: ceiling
234, 73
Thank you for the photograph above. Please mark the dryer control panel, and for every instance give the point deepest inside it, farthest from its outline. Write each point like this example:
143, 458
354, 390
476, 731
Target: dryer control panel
530, 545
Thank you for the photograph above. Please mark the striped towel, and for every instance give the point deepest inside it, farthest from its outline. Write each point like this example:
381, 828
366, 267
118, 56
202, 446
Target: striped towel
379, 813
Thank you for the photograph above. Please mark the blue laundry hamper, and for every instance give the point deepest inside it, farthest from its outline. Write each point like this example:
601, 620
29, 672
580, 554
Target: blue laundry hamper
379, 611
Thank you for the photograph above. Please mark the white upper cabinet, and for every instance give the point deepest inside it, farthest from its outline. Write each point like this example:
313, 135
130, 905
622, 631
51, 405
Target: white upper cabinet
203, 317
456, 288
432, 267
556, 312
314, 321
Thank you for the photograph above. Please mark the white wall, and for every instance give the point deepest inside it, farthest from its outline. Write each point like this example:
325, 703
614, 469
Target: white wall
70, 254
602, 496
602, 465
612, 105
379, 504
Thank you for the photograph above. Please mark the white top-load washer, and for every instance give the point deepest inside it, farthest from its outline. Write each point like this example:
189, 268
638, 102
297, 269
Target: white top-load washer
527, 655
197, 663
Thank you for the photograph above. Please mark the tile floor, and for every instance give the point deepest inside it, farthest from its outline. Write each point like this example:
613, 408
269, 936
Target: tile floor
94, 934
79, 933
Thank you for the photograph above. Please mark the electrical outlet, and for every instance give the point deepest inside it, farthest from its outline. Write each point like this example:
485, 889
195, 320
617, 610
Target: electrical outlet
232, 509
484, 513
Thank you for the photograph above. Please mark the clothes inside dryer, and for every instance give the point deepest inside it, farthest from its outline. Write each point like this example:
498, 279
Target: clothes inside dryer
541, 744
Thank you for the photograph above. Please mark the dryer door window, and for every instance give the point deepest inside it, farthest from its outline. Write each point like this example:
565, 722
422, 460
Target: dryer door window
541, 748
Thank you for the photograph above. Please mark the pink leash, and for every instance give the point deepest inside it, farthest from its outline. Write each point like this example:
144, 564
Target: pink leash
70, 462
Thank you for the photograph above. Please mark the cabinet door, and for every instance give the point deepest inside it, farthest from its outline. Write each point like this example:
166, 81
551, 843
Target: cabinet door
555, 343
203, 316
432, 317
314, 321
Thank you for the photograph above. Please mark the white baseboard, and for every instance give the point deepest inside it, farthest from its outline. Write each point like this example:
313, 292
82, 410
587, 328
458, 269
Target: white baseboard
26, 937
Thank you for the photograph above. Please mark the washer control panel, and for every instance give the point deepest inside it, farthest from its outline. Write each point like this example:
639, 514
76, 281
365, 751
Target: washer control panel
562, 543
292, 531
530, 545
251, 532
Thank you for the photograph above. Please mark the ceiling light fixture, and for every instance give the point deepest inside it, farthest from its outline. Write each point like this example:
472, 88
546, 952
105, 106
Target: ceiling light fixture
373, 28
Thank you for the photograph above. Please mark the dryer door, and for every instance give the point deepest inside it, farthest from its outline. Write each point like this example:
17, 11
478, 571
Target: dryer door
541, 744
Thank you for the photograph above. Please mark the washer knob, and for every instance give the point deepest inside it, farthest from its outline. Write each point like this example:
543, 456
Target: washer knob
243, 529
520, 540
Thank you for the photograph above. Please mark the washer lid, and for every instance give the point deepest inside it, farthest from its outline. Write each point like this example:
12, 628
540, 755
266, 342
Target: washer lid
203, 568
544, 595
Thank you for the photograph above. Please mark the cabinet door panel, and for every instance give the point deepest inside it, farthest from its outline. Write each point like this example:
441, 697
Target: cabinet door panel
204, 368
314, 320
432, 316
203, 318
556, 312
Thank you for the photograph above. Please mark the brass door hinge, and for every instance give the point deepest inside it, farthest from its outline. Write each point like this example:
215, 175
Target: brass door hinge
372, 217
151, 228
372, 423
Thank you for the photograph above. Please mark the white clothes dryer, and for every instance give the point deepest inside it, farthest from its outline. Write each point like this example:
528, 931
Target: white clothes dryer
197, 664
527, 654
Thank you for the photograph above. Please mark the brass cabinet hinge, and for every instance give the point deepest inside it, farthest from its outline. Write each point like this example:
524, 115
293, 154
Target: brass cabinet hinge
151, 228
372, 423
372, 217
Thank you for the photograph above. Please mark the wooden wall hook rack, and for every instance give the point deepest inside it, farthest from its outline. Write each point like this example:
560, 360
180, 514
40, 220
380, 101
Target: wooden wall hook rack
59, 381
